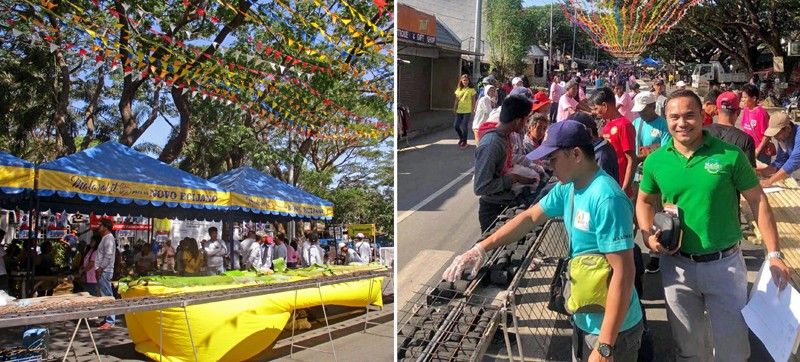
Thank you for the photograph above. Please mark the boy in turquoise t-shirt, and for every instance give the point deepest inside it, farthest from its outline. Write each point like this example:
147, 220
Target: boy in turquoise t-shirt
599, 219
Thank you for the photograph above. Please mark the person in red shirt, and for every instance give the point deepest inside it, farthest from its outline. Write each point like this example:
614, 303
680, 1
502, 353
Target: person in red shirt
710, 107
619, 131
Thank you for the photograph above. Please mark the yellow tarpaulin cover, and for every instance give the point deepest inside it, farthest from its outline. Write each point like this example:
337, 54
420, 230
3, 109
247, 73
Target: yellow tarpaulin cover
236, 329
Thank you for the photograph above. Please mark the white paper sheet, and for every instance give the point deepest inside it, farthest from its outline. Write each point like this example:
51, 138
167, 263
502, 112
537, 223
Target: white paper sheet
774, 316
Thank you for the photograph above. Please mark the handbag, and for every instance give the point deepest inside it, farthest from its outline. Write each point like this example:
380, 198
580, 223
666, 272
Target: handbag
589, 276
670, 226
580, 283
559, 288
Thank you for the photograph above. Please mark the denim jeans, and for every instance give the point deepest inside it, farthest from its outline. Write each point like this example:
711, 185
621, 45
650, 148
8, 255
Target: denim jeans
104, 283
553, 111
460, 124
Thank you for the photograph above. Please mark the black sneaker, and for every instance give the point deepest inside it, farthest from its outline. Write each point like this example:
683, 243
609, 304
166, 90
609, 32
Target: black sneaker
652, 266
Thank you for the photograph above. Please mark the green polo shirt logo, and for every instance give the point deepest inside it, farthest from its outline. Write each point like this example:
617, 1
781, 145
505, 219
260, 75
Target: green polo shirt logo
713, 166
705, 187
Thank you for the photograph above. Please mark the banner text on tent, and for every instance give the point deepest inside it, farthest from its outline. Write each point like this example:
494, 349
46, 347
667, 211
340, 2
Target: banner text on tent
60, 181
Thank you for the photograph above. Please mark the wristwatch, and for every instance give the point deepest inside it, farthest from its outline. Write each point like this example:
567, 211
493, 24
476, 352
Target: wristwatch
774, 254
605, 349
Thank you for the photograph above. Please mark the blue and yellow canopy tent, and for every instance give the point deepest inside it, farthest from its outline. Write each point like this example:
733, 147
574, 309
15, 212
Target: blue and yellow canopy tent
16, 179
253, 192
112, 178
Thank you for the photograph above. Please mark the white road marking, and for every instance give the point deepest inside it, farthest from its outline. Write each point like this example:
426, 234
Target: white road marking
433, 196
425, 145
418, 272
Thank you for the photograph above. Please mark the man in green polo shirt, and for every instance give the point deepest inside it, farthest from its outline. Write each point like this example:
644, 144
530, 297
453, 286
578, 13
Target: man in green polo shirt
702, 177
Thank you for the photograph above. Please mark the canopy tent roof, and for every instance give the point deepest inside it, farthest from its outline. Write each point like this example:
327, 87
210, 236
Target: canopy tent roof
253, 191
16, 175
650, 61
114, 178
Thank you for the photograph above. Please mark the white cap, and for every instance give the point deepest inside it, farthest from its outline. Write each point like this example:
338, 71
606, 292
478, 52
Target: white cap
642, 99
516, 80
341, 245
680, 83
360, 235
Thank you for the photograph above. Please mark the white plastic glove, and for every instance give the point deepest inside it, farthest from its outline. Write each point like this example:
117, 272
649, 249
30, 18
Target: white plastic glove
472, 261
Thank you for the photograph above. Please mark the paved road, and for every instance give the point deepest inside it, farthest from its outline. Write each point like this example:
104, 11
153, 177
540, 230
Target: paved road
436, 207
437, 218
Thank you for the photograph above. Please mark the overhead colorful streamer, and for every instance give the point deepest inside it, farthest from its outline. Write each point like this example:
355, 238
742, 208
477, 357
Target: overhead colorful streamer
624, 28
272, 86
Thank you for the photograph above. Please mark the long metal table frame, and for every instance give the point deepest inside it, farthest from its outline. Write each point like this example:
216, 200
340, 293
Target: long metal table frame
123, 306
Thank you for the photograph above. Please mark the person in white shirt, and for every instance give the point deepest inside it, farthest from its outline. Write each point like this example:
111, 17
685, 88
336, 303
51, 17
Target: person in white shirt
350, 255
568, 103
363, 248
234, 254
215, 250
251, 250
3, 272
556, 91
104, 264
485, 106
267, 253
312, 253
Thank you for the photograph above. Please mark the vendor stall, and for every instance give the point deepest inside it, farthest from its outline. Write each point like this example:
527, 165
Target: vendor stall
115, 179
241, 328
16, 178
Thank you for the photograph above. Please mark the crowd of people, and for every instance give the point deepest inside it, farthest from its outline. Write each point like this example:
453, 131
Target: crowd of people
622, 154
92, 266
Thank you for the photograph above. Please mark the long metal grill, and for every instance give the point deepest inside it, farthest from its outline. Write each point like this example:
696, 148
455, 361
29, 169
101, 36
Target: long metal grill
542, 333
36, 315
457, 322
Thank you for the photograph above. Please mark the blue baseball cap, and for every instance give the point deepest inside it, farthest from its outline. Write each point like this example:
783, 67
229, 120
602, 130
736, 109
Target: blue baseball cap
564, 134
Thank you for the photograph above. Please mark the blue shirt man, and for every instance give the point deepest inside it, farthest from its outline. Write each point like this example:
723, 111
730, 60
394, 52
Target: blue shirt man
787, 161
651, 129
599, 219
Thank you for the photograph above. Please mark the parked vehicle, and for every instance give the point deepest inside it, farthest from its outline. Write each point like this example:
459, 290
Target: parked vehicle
706, 72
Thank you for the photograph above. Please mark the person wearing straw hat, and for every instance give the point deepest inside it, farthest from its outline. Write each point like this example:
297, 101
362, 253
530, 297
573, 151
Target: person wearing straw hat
787, 162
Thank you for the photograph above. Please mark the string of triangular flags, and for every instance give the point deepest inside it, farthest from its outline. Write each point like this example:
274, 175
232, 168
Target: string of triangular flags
347, 23
215, 93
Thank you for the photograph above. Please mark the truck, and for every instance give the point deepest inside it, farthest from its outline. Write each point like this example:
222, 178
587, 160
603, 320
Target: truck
705, 72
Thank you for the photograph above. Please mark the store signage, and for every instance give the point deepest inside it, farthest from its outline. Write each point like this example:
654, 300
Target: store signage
415, 25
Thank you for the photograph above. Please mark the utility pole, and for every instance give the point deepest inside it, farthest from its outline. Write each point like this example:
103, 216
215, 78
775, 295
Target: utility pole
291, 225
573, 36
476, 64
550, 44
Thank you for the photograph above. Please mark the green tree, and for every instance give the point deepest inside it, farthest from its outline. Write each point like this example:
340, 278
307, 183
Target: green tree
328, 72
736, 29
505, 33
